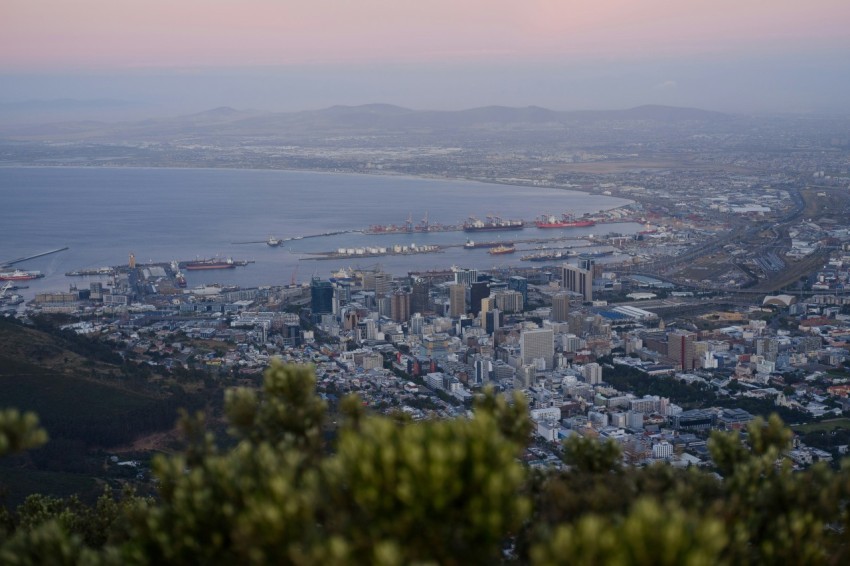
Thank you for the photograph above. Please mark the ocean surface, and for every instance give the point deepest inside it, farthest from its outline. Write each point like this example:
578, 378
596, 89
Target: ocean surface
160, 215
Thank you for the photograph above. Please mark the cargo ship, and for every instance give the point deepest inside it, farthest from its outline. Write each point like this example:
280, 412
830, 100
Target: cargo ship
492, 224
499, 250
566, 221
548, 256
471, 245
19, 275
209, 264
409, 227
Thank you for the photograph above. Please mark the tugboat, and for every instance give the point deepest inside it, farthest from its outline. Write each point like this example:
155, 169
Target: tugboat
273, 242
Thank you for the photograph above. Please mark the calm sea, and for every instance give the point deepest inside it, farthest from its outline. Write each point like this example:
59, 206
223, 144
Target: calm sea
161, 215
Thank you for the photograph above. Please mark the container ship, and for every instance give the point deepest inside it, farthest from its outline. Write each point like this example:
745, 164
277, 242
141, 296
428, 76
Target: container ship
209, 264
19, 275
499, 250
566, 221
492, 224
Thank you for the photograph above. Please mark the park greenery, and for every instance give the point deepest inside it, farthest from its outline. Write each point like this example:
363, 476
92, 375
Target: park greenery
293, 487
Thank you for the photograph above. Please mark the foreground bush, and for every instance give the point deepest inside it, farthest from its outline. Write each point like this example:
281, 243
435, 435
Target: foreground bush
450, 492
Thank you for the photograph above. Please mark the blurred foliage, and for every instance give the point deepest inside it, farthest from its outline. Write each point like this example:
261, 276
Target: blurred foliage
19, 432
394, 491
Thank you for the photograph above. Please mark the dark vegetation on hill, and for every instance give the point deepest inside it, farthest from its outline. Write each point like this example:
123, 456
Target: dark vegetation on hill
391, 491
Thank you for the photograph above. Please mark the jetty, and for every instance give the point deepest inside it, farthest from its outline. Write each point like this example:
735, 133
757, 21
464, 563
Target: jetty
27, 258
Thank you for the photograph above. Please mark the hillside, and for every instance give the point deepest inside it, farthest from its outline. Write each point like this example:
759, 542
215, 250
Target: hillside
77, 394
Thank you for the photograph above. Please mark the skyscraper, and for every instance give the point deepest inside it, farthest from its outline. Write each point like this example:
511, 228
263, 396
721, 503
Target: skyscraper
457, 300
478, 291
579, 278
465, 277
680, 347
560, 307
537, 344
321, 296
400, 306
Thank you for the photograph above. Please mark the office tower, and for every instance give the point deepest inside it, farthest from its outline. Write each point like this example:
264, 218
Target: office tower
483, 371
457, 300
400, 306
767, 347
478, 292
509, 301
321, 296
520, 284
560, 307
377, 281
420, 298
466, 277
492, 321
680, 347
537, 344
592, 373
579, 278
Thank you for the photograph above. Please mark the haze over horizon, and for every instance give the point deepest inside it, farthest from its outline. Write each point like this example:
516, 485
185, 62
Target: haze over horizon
164, 57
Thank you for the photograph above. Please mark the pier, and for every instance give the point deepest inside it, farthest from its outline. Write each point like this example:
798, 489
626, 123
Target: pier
27, 258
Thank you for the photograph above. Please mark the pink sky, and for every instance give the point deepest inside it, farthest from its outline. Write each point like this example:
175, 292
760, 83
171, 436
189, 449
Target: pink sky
107, 34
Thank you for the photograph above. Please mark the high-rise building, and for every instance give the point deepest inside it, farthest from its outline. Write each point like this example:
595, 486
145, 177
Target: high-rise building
420, 298
767, 347
537, 344
465, 277
560, 307
520, 284
579, 278
478, 291
457, 300
592, 373
321, 296
385, 306
680, 347
483, 371
492, 321
400, 306
509, 301
377, 281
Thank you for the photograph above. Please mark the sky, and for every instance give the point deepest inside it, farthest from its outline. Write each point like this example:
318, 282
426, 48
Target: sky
184, 55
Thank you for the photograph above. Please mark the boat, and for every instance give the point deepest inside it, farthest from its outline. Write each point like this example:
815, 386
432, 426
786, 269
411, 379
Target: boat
273, 242
471, 245
19, 275
180, 279
86, 272
548, 256
492, 224
209, 264
565, 221
504, 249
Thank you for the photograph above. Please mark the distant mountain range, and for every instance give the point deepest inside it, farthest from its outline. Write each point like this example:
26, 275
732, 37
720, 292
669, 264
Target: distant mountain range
367, 118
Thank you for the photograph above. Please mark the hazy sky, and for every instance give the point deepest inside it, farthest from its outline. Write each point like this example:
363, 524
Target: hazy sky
738, 55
